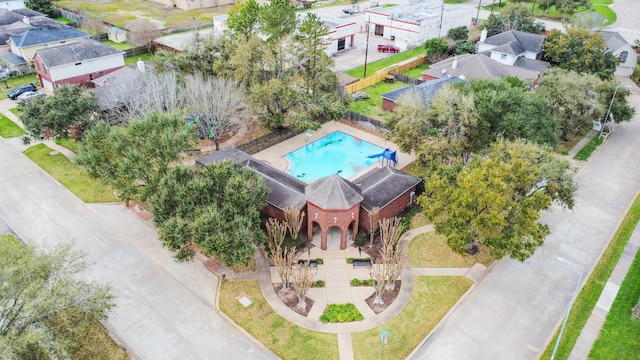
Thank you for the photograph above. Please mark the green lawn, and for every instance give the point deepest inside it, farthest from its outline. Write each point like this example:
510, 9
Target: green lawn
63, 20
70, 144
588, 149
431, 299
131, 60
9, 129
386, 62
607, 12
16, 81
621, 331
372, 106
73, 177
122, 12
285, 339
120, 46
417, 71
431, 250
586, 300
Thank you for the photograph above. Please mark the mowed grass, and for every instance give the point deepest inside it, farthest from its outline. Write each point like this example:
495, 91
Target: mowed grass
9, 129
285, 339
70, 144
417, 71
588, 149
431, 250
386, 62
120, 46
588, 297
621, 331
122, 12
131, 60
73, 177
372, 106
431, 299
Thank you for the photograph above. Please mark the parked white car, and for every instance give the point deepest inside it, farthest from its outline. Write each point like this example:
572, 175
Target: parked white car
27, 96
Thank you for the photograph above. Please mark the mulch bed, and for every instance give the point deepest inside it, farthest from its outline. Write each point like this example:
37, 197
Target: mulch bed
387, 296
290, 299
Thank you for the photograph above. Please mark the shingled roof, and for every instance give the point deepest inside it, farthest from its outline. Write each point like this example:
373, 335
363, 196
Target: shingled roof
383, 185
516, 42
333, 192
285, 190
478, 66
44, 36
85, 49
613, 40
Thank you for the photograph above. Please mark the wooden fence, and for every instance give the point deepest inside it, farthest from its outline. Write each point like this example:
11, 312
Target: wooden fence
267, 141
365, 122
372, 80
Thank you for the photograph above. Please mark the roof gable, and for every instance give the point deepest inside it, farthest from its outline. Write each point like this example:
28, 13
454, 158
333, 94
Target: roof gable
383, 185
427, 89
523, 40
44, 36
478, 66
333, 192
613, 40
82, 50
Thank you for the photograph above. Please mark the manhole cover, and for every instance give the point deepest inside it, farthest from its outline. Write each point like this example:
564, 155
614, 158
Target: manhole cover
245, 301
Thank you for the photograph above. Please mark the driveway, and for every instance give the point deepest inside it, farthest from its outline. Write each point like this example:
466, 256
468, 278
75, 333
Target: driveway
513, 312
165, 310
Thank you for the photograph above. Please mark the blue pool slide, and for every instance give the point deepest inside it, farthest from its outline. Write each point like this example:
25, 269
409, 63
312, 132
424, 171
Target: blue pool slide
386, 154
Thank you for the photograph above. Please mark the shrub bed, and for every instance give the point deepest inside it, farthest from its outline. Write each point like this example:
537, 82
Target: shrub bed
339, 313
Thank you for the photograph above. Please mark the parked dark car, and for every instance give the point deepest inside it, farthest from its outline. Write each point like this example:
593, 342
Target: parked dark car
350, 11
13, 94
388, 48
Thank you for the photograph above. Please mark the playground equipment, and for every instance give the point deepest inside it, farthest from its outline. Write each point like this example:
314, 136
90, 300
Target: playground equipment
205, 131
387, 155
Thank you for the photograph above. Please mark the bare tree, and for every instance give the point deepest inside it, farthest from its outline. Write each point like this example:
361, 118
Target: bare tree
392, 259
303, 278
143, 32
93, 25
150, 92
294, 218
378, 275
215, 100
283, 258
373, 221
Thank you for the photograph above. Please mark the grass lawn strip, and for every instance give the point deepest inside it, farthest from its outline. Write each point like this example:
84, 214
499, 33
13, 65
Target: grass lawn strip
70, 144
73, 177
285, 339
386, 62
430, 250
588, 149
620, 333
431, 299
417, 71
588, 297
9, 129
131, 60
372, 106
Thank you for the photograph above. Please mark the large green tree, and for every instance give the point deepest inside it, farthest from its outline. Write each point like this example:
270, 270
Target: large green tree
67, 112
216, 207
513, 17
580, 50
575, 99
436, 49
495, 201
243, 17
45, 308
134, 159
43, 6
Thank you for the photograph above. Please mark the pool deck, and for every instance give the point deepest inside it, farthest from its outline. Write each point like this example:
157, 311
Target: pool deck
275, 154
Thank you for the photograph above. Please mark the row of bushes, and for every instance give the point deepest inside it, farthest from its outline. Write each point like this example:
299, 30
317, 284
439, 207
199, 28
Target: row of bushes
339, 313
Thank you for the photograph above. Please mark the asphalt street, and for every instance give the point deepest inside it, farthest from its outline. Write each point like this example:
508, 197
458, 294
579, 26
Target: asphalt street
165, 310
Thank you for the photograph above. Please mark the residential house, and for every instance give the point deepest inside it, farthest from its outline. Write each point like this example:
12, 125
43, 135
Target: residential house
334, 207
618, 46
76, 63
412, 24
427, 90
512, 53
26, 44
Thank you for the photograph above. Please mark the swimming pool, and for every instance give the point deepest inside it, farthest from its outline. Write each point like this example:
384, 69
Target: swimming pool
336, 153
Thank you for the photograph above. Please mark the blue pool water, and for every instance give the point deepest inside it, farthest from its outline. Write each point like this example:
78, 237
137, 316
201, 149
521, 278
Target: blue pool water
336, 153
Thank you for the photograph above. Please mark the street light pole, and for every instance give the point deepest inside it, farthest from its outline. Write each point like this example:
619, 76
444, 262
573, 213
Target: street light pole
366, 48
441, 14
573, 298
606, 117
478, 13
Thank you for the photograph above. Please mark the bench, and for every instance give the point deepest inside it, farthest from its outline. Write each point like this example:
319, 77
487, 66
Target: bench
361, 263
312, 263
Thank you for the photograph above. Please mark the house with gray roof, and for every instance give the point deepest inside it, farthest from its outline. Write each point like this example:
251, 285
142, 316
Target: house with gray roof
618, 46
480, 66
427, 90
509, 46
76, 63
335, 208
28, 42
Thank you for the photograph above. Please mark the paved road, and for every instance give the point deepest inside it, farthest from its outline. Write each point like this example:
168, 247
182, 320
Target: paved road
628, 13
515, 310
165, 310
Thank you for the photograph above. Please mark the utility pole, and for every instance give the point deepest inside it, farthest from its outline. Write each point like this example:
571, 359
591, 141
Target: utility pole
441, 13
366, 47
